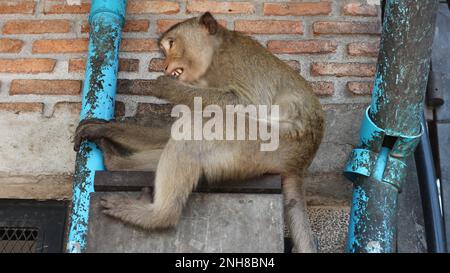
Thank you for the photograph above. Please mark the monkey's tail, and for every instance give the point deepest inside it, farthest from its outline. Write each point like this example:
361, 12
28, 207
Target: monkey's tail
296, 214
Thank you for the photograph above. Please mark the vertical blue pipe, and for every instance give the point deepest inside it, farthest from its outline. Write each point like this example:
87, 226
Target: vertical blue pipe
391, 126
99, 90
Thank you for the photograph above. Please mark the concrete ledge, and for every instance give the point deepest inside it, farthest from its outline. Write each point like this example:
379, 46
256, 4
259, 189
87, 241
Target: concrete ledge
210, 223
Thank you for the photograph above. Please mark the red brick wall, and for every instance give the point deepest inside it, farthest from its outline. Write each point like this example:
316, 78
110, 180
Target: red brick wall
43, 45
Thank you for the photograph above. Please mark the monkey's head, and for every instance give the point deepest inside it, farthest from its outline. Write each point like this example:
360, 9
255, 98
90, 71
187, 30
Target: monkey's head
189, 47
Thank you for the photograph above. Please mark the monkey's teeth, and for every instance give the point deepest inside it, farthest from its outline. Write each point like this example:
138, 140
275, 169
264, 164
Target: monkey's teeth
177, 72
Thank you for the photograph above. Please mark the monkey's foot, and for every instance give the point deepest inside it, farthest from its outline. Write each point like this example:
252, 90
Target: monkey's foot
125, 208
138, 212
87, 129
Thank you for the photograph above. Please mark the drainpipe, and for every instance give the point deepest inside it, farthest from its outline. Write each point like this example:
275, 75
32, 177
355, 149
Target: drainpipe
391, 126
106, 20
429, 193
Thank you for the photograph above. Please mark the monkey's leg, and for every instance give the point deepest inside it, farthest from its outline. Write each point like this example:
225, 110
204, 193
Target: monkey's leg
296, 213
126, 146
177, 174
178, 92
119, 158
179, 169
128, 135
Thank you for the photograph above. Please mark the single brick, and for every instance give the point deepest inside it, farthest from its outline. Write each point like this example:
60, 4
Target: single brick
322, 88
61, 6
145, 6
363, 49
31, 65
77, 65
36, 26
10, 45
126, 65
269, 26
165, 24
199, 6
297, 9
60, 46
343, 69
130, 26
360, 88
45, 87
358, 9
302, 47
136, 26
19, 107
70, 106
138, 45
341, 27
156, 65
17, 6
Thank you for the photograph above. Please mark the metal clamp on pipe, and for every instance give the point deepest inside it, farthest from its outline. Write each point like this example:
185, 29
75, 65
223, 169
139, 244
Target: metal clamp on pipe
362, 160
377, 171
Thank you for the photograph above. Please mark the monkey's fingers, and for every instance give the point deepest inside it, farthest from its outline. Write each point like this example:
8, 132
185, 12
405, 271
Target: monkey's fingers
77, 139
123, 213
89, 122
76, 142
84, 131
122, 208
114, 200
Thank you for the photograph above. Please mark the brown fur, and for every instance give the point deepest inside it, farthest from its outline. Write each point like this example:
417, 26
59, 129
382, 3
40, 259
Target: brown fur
224, 68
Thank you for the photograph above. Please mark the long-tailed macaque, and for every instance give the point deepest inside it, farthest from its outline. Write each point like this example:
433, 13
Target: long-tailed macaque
204, 59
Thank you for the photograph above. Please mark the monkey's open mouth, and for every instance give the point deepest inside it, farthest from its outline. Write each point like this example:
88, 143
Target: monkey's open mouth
177, 72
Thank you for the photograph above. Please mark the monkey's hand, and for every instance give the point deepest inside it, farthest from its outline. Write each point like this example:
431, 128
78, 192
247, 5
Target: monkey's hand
165, 85
179, 92
87, 129
122, 206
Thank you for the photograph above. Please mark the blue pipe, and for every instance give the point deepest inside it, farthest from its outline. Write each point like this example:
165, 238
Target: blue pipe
391, 127
106, 20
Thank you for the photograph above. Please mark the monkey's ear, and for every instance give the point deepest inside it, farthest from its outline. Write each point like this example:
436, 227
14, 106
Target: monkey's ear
209, 22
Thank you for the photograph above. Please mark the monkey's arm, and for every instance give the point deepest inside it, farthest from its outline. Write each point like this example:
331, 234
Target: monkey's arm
130, 136
180, 93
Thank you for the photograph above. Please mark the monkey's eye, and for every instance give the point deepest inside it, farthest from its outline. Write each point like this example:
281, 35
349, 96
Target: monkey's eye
170, 43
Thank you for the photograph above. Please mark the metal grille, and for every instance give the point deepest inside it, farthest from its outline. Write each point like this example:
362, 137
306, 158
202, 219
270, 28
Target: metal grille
18, 239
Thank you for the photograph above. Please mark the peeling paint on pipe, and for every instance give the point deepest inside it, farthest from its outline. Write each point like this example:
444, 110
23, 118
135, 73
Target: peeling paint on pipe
99, 90
391, 126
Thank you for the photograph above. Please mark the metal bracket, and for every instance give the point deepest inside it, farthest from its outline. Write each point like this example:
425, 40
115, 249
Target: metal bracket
362, 160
